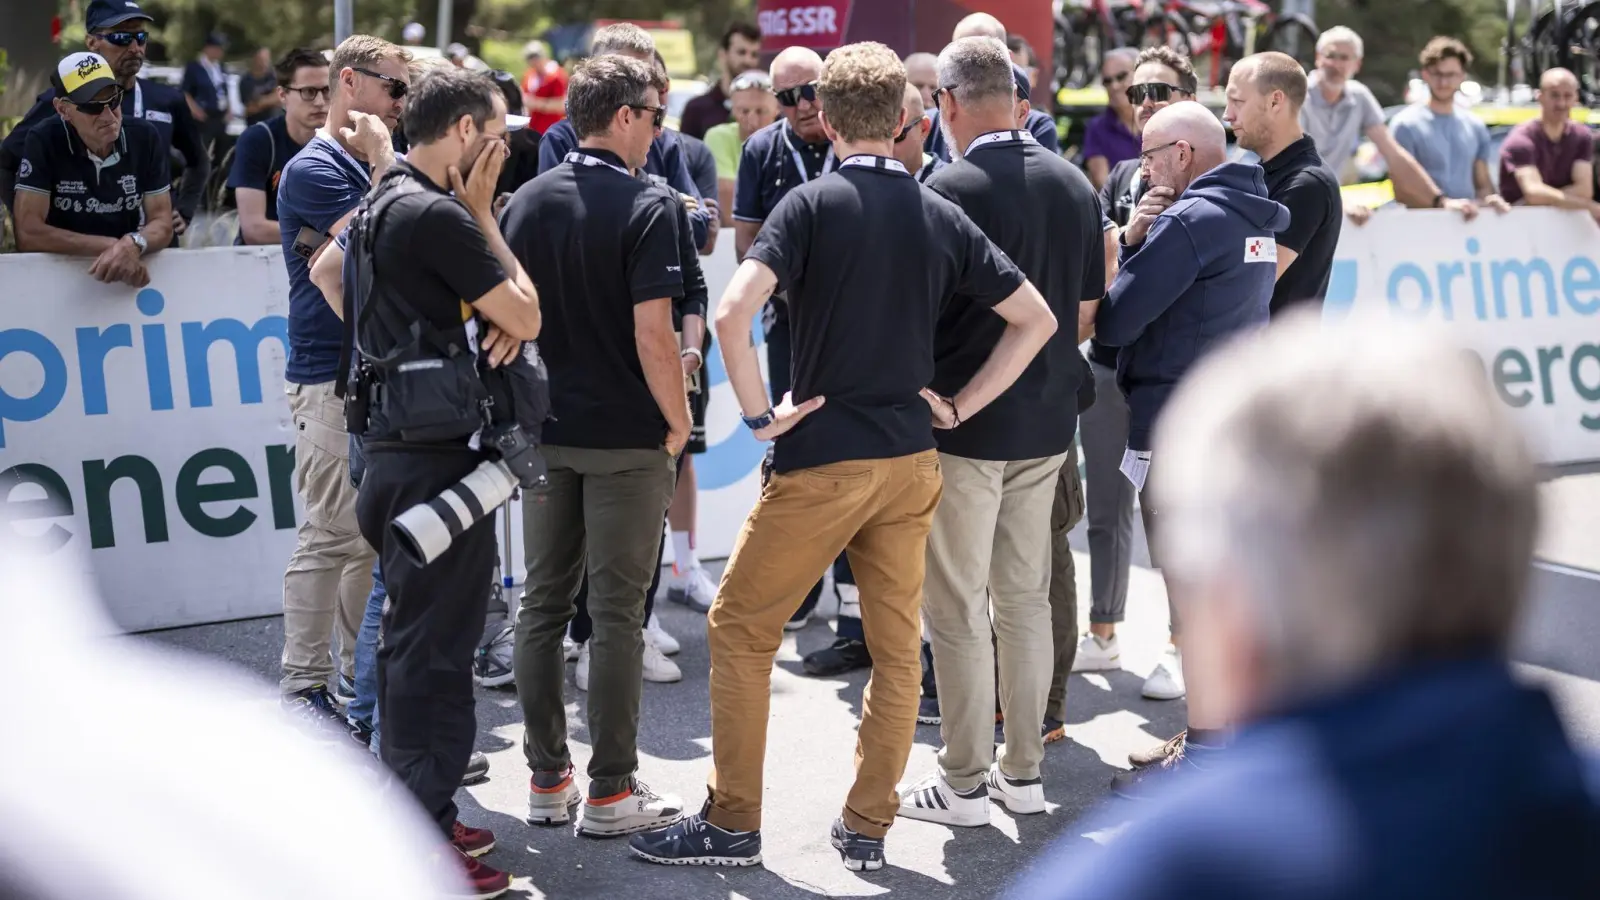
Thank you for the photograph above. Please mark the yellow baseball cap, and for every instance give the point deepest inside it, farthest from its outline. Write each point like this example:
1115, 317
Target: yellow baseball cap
81, 76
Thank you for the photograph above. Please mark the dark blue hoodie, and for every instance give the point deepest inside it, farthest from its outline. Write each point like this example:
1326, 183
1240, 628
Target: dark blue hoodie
1447, 781
1204, 271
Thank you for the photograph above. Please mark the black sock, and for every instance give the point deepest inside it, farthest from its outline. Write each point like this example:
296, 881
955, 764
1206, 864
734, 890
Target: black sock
1207, 738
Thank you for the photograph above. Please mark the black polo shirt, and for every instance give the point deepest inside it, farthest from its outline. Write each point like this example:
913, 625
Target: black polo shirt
1119, 196
1044, 214
869, 257
258, 160
88, 195
774, 162
1298, 179
597, 242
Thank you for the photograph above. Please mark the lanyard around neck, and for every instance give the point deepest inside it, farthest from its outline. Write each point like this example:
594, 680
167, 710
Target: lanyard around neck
579, 158
995, 137
869, 161
828, 162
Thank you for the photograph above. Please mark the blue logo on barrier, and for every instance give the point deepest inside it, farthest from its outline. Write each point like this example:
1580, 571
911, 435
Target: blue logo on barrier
728, 461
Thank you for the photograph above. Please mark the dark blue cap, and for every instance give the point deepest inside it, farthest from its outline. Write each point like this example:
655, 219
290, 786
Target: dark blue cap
109, 13
1022, 82
216, 39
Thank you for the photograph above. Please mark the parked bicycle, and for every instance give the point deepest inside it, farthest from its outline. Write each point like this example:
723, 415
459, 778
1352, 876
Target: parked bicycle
1085, 30
1215, 34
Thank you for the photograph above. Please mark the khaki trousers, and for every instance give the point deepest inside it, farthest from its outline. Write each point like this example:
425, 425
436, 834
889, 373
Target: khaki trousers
988, 597
330, 572
879, 511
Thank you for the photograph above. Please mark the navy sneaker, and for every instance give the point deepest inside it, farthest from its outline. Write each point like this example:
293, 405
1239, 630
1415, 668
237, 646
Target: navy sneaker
928, 711
859, 852
316, 712
692, 841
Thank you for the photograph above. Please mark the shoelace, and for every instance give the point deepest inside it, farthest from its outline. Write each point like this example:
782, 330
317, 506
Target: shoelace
642, 791
1173, 750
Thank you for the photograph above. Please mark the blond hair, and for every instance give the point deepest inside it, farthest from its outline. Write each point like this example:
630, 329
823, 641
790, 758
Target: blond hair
862, 90
364, 51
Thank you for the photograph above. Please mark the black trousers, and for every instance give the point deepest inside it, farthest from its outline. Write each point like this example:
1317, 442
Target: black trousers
430, 628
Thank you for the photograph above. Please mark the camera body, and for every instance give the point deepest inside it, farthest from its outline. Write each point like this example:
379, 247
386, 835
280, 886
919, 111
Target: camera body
510, 443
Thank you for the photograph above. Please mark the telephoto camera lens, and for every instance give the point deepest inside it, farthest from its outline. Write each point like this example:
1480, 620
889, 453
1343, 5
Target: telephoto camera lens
425, 531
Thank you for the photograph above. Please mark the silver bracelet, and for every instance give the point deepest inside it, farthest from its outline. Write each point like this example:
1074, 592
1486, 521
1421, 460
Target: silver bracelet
697, 354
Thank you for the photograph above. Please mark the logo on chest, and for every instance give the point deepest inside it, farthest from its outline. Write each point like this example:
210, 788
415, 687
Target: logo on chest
130, 184
70, 187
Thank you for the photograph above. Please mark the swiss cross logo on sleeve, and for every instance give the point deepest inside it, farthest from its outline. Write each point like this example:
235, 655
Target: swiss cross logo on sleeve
1260, 249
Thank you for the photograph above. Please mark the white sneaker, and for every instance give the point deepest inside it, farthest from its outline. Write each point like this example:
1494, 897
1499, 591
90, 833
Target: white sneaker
1095, 655
1166, 682
933, 800
1024, 797
797, 624
580, 672
570, 649
657, 667
553, 805
655, 635
638, 809
696, 590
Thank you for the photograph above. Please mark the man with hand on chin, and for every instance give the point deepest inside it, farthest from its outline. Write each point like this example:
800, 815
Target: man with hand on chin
91, 184
854, 466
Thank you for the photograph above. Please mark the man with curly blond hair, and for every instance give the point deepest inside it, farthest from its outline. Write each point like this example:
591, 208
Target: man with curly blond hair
868, 257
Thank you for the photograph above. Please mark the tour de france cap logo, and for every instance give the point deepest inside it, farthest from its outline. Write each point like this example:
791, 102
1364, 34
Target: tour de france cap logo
83, 75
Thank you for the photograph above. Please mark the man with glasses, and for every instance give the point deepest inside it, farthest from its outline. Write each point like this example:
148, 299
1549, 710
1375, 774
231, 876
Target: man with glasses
118, 31
91, 184
604, 249
1112, 136
329, 577
1450, 143
1037, 122
266, 147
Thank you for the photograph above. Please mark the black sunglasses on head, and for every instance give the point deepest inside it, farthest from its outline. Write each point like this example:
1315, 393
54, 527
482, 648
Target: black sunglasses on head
660, 113
96, 107
397, 88
1155, 90
125, 38
793, 96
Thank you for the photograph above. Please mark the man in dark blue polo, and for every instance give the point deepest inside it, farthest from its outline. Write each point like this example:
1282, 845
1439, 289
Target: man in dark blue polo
117, 32
206, 86
90, 184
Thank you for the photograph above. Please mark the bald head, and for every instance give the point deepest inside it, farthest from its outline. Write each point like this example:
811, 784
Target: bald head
1558, 94
915, 108
795, 66
979, 25
922, 70
1557, 78
1164, 161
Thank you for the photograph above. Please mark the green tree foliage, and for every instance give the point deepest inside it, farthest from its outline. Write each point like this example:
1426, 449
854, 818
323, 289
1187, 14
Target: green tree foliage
1394, 32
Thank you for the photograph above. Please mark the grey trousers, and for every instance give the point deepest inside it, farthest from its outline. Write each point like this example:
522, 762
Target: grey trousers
600, 511
1103, 429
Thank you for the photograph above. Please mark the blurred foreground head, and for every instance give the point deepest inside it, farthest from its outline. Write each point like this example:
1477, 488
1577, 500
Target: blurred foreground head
1337, 502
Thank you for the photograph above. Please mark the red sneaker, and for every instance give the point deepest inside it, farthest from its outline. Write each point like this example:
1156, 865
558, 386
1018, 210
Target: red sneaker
471, 841
483, 882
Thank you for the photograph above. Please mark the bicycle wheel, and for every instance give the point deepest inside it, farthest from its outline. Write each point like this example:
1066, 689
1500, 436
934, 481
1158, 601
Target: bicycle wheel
1168, 29
1295, 35
1066, 53
1580, 50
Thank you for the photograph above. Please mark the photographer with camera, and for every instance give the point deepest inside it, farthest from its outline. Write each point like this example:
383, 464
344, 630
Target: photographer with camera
447, 405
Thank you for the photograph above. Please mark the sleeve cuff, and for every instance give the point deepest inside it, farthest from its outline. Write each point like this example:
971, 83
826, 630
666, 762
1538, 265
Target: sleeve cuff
34, 190
158, 191
739, 218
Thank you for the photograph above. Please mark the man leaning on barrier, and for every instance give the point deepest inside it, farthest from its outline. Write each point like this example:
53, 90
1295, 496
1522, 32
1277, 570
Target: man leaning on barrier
91, 184
439, 308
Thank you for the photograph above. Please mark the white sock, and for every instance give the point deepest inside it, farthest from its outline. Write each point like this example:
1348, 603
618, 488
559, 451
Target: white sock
683, 555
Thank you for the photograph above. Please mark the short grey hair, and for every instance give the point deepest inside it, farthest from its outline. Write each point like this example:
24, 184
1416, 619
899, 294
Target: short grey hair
625, 38
978, 69
1389, 520
1129, 55
600, 86
1340, 34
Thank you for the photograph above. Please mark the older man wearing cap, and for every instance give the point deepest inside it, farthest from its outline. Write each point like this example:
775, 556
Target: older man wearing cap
544, 88
117, 30
91, 184
1039, 124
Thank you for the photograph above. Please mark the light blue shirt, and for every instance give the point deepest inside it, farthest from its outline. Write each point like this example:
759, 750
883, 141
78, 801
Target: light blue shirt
1446, 145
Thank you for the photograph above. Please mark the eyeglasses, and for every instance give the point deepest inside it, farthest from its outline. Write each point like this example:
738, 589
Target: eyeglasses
397, 88
310, 94
793, 96
1155, 90
906, 131
1118, 78
96, 107
941, 91
125, 38
660, 111
1144, 155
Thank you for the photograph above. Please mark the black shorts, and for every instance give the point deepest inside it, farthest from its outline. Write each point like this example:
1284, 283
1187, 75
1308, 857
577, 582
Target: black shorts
698, 401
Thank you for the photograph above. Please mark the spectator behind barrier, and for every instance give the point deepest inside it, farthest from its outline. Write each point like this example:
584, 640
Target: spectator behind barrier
1450, 142
1549, 161
266, 147
1352, 570
91, 184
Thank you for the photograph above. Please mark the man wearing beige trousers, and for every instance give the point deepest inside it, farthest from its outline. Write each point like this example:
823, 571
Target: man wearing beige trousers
989, 553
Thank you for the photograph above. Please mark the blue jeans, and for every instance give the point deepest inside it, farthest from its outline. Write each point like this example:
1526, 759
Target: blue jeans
364, 708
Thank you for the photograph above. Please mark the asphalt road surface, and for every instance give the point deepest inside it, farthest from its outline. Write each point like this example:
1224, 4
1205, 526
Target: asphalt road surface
811, 739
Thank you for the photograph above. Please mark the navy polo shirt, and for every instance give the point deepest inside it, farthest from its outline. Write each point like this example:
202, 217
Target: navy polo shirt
103, 197
318, 186
259, 159
768, 170
665, 163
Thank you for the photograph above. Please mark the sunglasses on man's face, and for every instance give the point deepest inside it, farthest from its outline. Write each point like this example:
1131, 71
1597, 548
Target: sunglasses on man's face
660, 113
793, 96
125, 38
96, 107
1155, 91
906, 131
397, 88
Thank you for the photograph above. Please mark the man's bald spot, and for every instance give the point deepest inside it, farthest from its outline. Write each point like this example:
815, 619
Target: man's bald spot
1193, 124
913, 103
795, 66
927, 61
1556, 77
979, 25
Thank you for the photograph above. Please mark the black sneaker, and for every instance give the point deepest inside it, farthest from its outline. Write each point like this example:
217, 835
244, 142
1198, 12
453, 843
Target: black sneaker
928, 711
315, 708
360, 733
860, 853
477, 769
692, 841
844, 656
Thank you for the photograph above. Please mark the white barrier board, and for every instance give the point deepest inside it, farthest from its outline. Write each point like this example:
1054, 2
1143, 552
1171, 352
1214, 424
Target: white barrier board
1523, 289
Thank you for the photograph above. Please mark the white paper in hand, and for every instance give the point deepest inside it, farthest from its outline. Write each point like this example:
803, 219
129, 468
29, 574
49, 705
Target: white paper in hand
1136, 465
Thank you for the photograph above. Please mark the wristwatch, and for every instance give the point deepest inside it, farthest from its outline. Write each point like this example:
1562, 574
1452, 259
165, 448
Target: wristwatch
139, 241
756, 423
